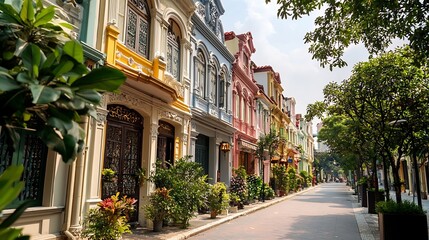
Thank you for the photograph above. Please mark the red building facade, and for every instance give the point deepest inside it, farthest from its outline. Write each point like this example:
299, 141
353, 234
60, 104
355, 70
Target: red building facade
243, 99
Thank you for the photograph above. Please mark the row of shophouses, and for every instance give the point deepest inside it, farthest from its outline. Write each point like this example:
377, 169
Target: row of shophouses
191, 89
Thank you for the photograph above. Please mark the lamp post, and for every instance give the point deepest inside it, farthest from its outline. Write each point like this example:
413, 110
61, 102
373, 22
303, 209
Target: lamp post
414, 158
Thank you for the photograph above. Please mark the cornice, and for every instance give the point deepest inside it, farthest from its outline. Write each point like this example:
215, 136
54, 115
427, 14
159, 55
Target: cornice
206, 32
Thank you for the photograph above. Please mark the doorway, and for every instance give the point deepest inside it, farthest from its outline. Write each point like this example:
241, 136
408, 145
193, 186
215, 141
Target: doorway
123, 147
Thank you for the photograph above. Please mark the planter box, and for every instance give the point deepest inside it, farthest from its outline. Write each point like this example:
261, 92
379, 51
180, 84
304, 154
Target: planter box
363, 197
402, 226
373, 198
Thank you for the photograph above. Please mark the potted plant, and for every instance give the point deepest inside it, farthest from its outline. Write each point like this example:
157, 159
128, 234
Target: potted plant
159, 207
373, 198
394, 218
218, 199
234, 200
110, 219
108, 175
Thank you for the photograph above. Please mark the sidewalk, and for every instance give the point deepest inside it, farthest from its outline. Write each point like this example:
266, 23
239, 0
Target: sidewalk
202, 222
367, 223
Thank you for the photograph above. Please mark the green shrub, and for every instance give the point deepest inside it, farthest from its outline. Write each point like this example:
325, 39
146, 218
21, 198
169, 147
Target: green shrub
160, 205
218, 198
405, 207
268, 191
281, 178
187, 185
238, 185
109, 221
292, 179
254, 185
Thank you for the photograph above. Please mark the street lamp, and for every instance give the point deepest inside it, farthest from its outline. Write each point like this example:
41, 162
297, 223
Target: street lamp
414, 156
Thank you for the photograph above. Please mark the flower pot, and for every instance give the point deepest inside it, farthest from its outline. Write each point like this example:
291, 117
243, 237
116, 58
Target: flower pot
396, 226
213, 214
372, 199
224, 212
157, 225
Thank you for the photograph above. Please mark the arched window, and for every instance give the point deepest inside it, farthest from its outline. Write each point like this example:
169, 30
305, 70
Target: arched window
138, 27
200, 78
222, 90
213, 84
173, 49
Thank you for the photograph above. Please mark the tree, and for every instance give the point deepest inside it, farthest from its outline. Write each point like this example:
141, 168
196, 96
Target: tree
373, 23
44, 78
45, 88
385, 89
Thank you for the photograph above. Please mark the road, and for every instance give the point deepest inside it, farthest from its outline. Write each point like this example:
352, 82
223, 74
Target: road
322, 213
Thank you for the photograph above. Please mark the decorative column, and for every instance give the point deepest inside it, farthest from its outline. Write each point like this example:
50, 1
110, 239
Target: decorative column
193, 139
214, 159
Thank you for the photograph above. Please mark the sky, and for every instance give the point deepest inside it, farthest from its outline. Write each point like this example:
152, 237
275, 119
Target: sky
280, 43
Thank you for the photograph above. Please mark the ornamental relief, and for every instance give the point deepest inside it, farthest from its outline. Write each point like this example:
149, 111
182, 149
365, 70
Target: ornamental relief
172, 116
170, 81
128, 99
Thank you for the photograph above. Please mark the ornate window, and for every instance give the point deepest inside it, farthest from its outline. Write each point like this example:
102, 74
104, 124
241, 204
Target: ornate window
200, 78
213, 84
222, 90
32, 153
173, 49
138, 27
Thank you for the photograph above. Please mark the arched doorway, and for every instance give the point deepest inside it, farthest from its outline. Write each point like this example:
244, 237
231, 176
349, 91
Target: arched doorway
123, 148
165, 150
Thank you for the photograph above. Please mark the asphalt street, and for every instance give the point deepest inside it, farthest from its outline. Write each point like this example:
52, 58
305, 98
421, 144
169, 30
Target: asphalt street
322, 213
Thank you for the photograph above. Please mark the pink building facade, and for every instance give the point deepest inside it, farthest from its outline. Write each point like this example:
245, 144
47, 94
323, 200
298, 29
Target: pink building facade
244, 90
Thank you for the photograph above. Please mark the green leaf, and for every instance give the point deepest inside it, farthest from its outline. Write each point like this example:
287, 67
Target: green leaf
24, 78
31, 57
27, 11
8, 55
44, 16
10, 14
101, 79
20, 46
17, 4
10, 233
16, 214
74, 50
89, 95
43, 94
71, 146
62, 124
50, 60
9, 185
8, 83
52, 139
63, 67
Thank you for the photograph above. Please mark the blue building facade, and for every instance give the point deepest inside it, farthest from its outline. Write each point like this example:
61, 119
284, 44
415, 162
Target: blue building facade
211, 104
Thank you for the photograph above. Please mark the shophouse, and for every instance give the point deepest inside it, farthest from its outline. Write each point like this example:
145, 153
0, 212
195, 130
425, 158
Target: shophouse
149, 119
270, 80
210, 93
54, 187
244, 102
293, 151
263, 126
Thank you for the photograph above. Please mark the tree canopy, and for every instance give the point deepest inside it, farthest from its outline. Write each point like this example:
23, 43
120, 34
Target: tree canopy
384, 91
373, 23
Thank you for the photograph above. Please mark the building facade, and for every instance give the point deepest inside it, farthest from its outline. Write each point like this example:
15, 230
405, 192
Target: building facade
244, 101
211, 107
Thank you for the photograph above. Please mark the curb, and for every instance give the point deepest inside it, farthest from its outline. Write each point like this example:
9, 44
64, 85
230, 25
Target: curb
195, 231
